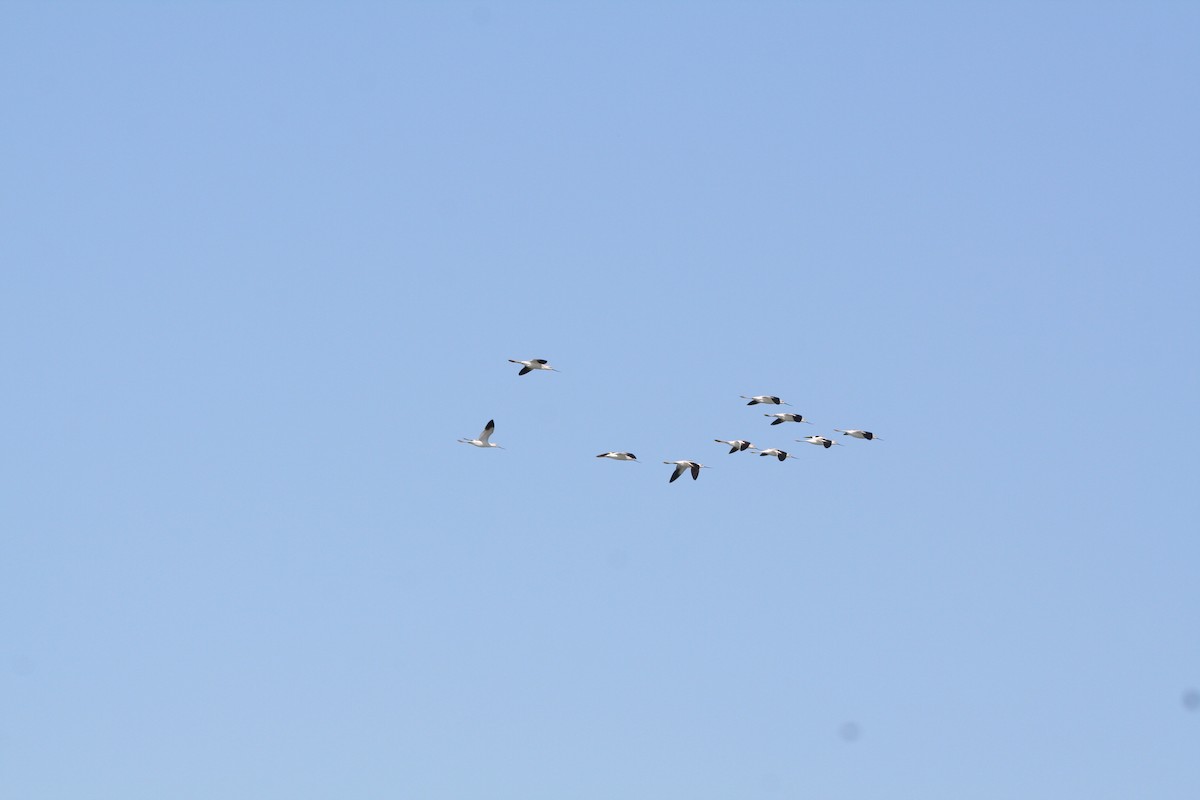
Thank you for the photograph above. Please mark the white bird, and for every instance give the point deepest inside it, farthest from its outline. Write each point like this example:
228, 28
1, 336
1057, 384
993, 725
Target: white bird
736, 444
858, 434
769, 399
683, 466
482, 441
532, 364
619, 456
787, 418
782, 455
821, 440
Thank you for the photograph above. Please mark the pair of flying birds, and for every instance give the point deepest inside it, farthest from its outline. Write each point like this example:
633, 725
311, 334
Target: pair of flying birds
736, 445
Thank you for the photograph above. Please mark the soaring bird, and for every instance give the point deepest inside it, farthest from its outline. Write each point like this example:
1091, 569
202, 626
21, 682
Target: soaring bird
769, 399
782, 455
735, 444
858, 434
682, 466
619, 456
482, 441
787, 418
821, 440
532, 364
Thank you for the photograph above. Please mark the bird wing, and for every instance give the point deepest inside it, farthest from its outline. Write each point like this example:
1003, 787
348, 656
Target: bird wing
541, 361
782, 456
776, 422
678, 471
695, 471
525, 370
828, 443
487, 431
744, 445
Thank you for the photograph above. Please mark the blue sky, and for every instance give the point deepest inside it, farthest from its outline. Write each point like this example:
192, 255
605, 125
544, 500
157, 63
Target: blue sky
264, 263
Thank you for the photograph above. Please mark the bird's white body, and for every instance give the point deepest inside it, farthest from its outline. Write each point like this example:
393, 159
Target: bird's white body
619, 456
736, 445
858, 434
787, 418
819, 440
532, 364
768, 399
782, 455
482, 441
683, 466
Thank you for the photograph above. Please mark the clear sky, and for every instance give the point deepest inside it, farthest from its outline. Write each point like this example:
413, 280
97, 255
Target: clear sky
263, 263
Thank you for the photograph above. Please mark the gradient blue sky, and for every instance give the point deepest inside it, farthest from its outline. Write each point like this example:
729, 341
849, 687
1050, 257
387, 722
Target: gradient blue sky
263, 263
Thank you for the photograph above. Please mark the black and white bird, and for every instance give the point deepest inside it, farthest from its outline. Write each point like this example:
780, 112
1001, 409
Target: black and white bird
482, 441
532, 364
821, 440
858, 434
768, 399
736, 445
786, 418
683, 466
619, 456
782, 455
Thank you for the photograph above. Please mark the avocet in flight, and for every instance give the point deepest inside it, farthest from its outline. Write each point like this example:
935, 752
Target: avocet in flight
619, 456
532, 364
683, 466
858, 434
782, 455
820, 440
482, 441
786, 418
736, 445
768, 399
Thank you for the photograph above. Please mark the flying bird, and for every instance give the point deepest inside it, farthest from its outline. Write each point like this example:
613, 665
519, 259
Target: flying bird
619, 456
769, 399
787, 418
532, 364
782, 455
682, 466
482, 441
821, 440
735, 444
858, 434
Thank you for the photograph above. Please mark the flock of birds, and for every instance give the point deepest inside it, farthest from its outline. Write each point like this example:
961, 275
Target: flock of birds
735, 445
